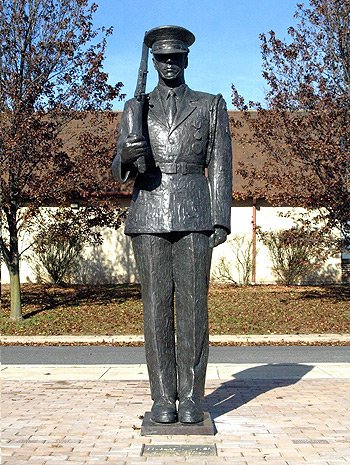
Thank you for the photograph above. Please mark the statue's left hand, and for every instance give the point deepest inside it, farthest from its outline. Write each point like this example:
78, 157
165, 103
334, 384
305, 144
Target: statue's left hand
218, 237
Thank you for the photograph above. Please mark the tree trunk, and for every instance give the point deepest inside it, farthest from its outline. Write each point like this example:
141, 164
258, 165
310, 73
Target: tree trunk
15, 291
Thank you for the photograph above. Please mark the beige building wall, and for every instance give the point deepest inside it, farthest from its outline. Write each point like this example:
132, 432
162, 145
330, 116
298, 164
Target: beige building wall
113, 261
268, 219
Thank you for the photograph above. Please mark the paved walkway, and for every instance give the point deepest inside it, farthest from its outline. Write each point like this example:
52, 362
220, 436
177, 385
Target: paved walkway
277, 414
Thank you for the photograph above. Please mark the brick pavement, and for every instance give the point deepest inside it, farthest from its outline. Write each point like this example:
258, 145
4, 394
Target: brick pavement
266, 421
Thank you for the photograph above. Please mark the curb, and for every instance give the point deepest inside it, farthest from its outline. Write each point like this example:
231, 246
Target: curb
298, 339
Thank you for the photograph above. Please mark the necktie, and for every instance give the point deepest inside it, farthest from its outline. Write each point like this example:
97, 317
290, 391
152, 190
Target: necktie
171, 106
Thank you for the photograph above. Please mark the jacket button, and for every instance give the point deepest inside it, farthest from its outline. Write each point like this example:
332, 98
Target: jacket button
197, 148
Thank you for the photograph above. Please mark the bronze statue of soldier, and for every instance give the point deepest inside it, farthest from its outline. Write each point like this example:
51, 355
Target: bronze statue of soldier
180, 210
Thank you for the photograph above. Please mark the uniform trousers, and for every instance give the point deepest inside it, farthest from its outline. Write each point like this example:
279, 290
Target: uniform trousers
175, 267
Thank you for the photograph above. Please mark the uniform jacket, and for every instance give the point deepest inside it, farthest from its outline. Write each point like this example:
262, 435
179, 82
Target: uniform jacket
185, 184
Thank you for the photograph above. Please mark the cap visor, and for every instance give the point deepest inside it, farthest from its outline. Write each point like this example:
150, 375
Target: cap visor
168, 51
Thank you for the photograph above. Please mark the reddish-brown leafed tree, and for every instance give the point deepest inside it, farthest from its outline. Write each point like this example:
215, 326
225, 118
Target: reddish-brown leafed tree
51, 82
301, 137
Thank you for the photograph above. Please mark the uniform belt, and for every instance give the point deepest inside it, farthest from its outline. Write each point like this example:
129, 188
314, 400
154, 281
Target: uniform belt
181, 168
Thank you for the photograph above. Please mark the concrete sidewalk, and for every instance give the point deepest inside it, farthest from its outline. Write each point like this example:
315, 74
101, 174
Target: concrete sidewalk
215, 372
277, 414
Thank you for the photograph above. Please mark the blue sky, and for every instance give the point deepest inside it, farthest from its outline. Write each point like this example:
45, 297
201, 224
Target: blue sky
227, 47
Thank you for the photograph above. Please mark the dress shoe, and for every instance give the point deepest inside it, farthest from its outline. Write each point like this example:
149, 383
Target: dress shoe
164, 411
190, 411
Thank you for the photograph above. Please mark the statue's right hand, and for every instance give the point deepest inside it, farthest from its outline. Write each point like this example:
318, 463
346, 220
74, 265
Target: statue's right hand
134, 147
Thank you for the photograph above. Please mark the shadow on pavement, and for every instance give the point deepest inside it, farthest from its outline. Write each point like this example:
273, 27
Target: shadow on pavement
251, 383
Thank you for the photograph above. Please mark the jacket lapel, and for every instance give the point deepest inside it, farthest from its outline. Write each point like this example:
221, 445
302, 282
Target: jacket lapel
156, 108
187, 106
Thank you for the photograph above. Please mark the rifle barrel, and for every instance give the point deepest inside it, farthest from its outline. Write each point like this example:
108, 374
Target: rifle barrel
140, 90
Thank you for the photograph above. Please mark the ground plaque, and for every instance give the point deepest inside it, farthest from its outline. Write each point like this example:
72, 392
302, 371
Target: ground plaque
203, 428
183, 450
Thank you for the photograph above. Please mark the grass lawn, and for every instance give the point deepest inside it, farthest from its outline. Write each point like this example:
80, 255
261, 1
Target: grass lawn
117, 309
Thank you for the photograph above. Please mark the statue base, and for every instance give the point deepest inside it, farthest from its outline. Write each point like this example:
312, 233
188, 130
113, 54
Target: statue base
203, 428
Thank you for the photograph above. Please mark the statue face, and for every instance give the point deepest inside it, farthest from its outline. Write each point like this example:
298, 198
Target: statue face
170, 66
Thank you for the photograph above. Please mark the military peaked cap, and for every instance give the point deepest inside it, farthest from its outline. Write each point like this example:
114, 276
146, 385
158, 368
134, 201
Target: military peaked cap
169, 39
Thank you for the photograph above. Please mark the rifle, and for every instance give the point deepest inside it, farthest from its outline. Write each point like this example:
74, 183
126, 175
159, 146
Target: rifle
140, 91
140, 95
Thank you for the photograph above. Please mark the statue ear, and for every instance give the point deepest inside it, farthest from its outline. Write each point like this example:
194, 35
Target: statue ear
186, 62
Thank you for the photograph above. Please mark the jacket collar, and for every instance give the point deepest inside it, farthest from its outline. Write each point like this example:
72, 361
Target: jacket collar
187, 105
